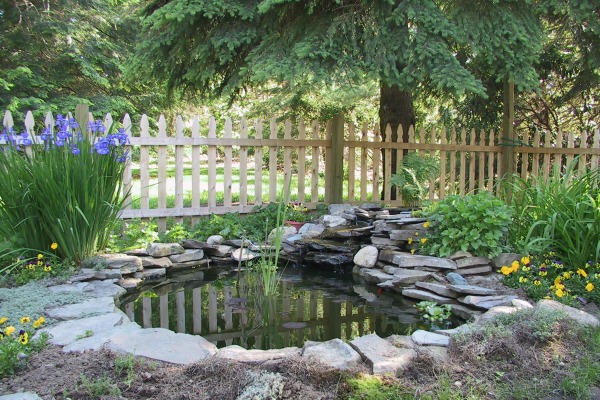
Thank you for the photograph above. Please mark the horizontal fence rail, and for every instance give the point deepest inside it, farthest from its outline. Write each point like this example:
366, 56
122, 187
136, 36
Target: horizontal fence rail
193, 169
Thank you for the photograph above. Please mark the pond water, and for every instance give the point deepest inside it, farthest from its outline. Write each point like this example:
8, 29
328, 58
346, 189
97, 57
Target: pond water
310, 305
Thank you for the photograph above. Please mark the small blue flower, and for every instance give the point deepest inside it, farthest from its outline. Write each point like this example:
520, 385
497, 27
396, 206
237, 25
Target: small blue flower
75, 150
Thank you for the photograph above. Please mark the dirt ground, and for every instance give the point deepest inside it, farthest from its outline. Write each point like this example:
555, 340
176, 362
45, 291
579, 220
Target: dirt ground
91, 375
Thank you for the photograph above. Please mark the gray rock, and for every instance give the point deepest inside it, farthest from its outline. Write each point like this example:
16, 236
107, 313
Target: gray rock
406, 276
366, 257
164, 249
459, 255
388, 255
385, 241
215, 240
190, 264
472, 262
149, 274
21, 396
335, 353
331, 221
521, 304
425, 295
364, 293
98, 340
475, 270
310, 230
100, 305
103, 289
505, 259
127, 264
339, 209
470, 289
401, 341
243, 254
438, 353
465, 312
187, 256
495, 311
424, 338
285, 231
67, 332
486, 302
405, 234
381, 356
410, 260
137, 252
255, 356
163, 345
456, 279
574, 314
130, 283
151, 262
372, 206
436, 288
218, 250
375, 275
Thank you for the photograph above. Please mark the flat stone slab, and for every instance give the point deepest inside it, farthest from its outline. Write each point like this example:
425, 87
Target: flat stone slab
383, 357
334, 353
456, 279
375, 275
405, 234
388, 255
465, 312
486, 302
127, 264
574, 314
475, 270
470, 289
164, 249
472, 262
437, 288
411, 260
21, 396
98, 340
385, 241
243, 254
152, 273
495, 311
255, 356
69, 331
100, 305
160, 262
130, 283
92, 289
163, 345
425, 295
425, 338
406, 276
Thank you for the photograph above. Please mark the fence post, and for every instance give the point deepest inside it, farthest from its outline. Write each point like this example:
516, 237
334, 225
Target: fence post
336, 168
82, 112
508, 152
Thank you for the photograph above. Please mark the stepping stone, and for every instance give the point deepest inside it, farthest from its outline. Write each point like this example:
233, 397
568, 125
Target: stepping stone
98, 340
381, 356
475, 270
425, 295
163, 345
334, 353
495, 311
21, 396
100, 305
425, 338
486, 302
69, 331
438, 289
402, 341
456, 279
127, 264
472, 262
470, 289
255, 356
411, 260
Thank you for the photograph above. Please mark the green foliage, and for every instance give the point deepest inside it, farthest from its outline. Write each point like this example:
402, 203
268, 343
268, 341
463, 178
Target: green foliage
136, 234
23, 270
99, 387
178, 233
370, 387
17, 343
68, 191
297, 212
415, 174
431, 311
475, 223
559, 215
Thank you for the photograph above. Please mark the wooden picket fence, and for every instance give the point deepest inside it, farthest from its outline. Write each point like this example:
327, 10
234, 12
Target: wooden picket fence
199, 168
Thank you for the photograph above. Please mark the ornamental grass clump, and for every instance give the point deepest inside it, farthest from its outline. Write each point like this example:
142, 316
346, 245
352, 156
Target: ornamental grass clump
65, 190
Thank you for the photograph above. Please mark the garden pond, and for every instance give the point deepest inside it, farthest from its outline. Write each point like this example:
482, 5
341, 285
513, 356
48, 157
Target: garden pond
311, 304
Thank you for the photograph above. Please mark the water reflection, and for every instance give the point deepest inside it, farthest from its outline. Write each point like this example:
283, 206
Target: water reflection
309, 306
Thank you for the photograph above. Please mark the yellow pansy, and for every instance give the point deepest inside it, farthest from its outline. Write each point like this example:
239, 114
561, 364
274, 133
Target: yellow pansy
506, 270
38, 322
47, 268
410, 240
40, 256
24, 338
589, 287
3, 320
423, 240
582, 273
515, 266
9, 330
426, 224
25, 320
522, 279
54, 246
525, 260
559, 293
567, 275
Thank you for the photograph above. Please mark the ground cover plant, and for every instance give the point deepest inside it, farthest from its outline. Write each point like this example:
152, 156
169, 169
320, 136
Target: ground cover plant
67, 190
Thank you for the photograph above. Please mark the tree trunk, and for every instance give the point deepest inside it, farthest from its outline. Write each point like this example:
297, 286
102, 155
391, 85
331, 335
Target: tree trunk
395, 109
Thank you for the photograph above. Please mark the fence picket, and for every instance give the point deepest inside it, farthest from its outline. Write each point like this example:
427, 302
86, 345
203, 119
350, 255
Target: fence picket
314, 190
273, 163
243, 165
363, 164
258, 164
287, 157
301, 162
162, 172
227, 164
195, 168
351, 161
212, 164
179, 166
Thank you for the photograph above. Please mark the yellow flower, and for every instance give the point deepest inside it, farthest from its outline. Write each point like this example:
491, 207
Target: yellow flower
423, 240
40, 256
412, 251
25, 320
526, 268
54, 246
567, 275
3, 320
559, 293
47, 268
582, 272
522, 279
38, 322
426, 224
589, 287
506, 270
543, 273
557, 280
537, 282
40, 263
525, 260
515, 266
9, 330
416, 233
410, 240
24, 338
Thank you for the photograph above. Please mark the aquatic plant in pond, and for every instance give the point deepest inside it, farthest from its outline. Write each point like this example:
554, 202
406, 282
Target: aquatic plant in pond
66, 189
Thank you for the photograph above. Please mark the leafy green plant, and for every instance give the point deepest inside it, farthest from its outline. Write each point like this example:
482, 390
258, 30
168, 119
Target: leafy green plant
136, 234
475, 223
431, 311
178, 233
416, 172
559, 215
17, 344
67, 190
126, 364
297, 212
99, 387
